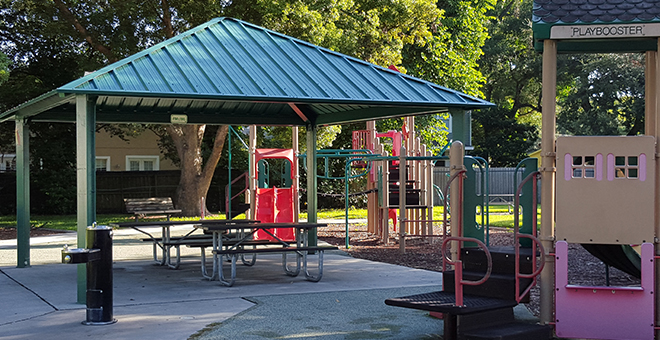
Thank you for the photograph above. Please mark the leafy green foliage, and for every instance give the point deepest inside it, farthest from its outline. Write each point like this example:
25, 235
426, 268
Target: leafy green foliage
4, 68
505, 134
499, 138
52, 43
450, 56
53, 168
372, 30
606, 96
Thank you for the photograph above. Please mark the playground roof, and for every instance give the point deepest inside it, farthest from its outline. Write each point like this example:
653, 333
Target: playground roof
227, 71
597, 25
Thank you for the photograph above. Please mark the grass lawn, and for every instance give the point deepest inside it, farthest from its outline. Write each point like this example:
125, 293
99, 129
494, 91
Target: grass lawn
498, 218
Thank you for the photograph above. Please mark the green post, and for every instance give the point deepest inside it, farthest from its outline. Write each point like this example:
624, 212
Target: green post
461, 126
229, 179
311, 182
22, 192
86, 178
471, 201
527, 199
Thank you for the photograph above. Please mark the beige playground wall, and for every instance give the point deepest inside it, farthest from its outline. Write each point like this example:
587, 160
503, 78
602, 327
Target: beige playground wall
609, 209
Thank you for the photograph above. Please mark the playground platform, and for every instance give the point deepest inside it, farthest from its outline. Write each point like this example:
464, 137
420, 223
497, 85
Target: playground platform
154, 302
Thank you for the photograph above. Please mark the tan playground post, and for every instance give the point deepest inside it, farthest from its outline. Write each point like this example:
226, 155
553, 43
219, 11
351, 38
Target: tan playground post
384, 210
653, 128
547, 169
403, 175
456, 155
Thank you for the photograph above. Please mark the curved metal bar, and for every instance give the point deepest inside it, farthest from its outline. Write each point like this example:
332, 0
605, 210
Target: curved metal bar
446, 204
286, 267
308, 276
456, 263
540, 268
232, 279
516, 204
458, 267
251, 262
156, 243
535, 241
485, 196
205, 273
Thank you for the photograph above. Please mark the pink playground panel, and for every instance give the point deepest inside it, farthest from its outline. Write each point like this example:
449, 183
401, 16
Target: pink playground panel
604, 312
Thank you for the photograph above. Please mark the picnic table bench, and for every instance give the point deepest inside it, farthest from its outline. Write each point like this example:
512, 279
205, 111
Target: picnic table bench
236, 246
167, 242
502, 199
150, 206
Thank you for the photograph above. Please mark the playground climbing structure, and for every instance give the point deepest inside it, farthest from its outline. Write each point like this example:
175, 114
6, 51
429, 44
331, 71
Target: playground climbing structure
403, 188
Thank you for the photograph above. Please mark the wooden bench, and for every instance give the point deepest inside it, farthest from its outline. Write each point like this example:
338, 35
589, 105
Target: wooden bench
142, 207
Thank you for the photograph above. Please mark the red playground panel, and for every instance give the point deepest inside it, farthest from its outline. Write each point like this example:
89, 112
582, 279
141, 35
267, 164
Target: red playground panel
275, 205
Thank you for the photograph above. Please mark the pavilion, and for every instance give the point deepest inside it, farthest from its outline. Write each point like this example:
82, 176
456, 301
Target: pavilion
225, 71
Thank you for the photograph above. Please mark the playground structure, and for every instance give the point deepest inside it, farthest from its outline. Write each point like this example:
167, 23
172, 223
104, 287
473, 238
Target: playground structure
601, 192
415, 205
590, 169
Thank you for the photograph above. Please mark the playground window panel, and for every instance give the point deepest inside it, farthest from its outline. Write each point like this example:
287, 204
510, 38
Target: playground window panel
630, 167
584, 166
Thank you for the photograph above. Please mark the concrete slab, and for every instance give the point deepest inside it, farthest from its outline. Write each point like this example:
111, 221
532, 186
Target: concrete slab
154, 302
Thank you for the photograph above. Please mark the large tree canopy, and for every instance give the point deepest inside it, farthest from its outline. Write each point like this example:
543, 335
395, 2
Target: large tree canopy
52, 43
504, 135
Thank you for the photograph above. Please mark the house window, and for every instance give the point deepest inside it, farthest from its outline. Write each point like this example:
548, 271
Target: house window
142, 163
103, 163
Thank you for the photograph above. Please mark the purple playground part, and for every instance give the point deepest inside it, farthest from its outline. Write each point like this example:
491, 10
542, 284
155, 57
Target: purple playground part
602, 312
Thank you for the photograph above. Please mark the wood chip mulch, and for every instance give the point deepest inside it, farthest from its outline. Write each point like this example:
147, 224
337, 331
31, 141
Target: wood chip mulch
8, 233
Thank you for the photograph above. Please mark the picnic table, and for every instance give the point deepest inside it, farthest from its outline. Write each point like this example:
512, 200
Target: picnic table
166, 242
236, 240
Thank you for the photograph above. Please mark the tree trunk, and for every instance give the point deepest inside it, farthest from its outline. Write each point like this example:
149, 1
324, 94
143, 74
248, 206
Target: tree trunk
195, 175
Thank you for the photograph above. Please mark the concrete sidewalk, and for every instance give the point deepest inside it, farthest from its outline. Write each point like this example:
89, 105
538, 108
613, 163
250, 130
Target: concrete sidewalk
154, 302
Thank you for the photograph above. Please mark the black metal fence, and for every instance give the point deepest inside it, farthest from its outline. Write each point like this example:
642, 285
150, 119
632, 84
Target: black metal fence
501, 182
113, 186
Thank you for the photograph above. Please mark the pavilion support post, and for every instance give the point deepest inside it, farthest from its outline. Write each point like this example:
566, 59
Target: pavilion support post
548, 170
22, 192
86, 178
461, 126
372, 201
296, 174
311, 182
252, 173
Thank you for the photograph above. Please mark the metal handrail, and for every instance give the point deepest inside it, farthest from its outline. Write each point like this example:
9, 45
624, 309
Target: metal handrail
446, 201
458, 266
227, 192
535, 241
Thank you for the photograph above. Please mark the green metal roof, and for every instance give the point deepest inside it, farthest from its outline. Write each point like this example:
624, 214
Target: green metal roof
227, 71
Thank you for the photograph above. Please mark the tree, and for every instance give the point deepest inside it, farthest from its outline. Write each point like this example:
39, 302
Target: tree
450, 56
93, 33
606, 96
505, 134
